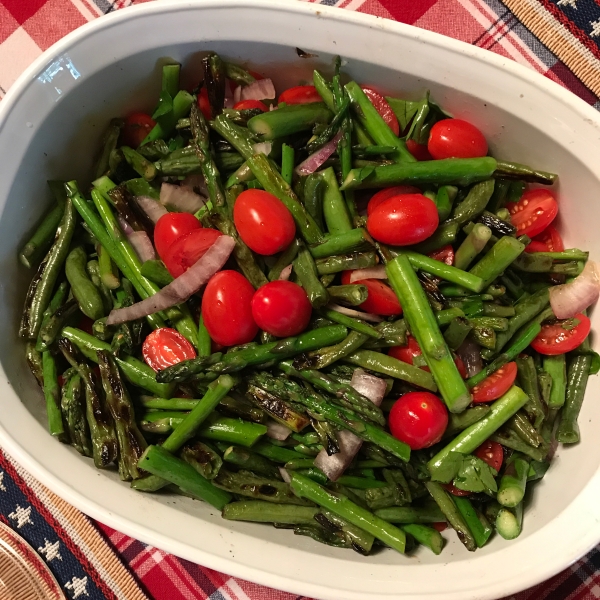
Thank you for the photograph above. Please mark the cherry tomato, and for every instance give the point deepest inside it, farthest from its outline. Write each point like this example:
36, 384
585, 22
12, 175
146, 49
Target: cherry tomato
455, 138
382, 299
250, 104
281, 308
189, 248
263, 222
227, 309
386, 193
491, 453
171, 227
204, 104
533, 212
383, 108
440, 526
137, 126
452, 489
495, 385
165, 347
562, 336
419, 151
403, 220
412, 349
445, 254
547, 241
300, 94
418, 419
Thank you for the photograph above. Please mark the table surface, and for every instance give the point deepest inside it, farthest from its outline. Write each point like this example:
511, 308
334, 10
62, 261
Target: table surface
558, 38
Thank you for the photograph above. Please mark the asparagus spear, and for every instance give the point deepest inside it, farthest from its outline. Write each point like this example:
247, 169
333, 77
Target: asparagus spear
236, 361
424, 327
512, 485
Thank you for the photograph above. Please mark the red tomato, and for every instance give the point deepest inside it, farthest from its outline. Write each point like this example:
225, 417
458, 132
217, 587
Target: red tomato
250, 104
281, 308
263, 222
547, 241
496, 385
419, 151
227, 309
171, 227
204, 104
445, 254
300, 94
418, 419
165, 347
439, 526
403, 220
455, 138
137, 126
452, 489
533, 212
562, 336
382, 299
491, 453
383, 108
408, 352
386, 193
189, 248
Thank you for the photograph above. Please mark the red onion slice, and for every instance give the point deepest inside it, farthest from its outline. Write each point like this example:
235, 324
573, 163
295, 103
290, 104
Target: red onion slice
196, 183
142, 245
377, 272
284, 475
470, 354
571, 298
357, 314
333, 466
180, 289
237, 94
369, 386
277, 431
261, 89
125, 226
262, 148
286, 273
315, 160
154, 209
180, 198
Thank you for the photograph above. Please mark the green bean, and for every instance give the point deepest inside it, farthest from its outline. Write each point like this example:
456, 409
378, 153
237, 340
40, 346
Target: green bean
306, 271
285, 259
259, 511
495, 262
139, 163
341, 243
445, 317
250, 461
52, 395
457, 332
166, 123
350, 322
337, 264
351, 295
577, 377
443, 200
85, 292
335, 210
556, 367
288, 120
287, 163
472, 245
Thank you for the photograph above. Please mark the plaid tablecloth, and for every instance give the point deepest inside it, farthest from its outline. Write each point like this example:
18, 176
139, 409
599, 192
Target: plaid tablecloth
559, 38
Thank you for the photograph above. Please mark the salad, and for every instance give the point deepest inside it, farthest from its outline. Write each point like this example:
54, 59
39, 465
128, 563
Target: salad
326, 309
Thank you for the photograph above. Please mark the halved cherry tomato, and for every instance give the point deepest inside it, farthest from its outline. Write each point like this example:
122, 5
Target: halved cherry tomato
386, 193
165, 347
382, 299
383, 108
533, 212
137, 126
300, 94
491, 453
445, 254
263, 222
250, 104
227, 309
281, 308
547, 241
419, 151
403, 220
496, 385
562, 336
418, 419
440, 526
204, 104
189, 248
412, 349
171, 227
455, 138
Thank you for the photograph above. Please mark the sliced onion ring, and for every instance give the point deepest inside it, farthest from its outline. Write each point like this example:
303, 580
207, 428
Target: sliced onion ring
277, 431
377, 272
315, 160
369, 386
181, 198
153, 208
286, 273
334, 466
571, 298
142, 245
181, 288
357, 314
262, 148
261, 89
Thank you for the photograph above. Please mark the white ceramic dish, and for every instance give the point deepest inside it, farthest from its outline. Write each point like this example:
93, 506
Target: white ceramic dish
50, 122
